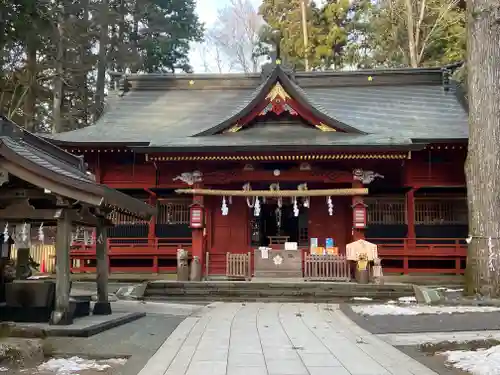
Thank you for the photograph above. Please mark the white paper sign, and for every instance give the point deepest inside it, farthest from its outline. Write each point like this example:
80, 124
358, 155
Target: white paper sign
291, 246
264, 252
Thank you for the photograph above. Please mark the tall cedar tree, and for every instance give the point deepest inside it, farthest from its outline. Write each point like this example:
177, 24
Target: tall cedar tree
483, 159
37, 66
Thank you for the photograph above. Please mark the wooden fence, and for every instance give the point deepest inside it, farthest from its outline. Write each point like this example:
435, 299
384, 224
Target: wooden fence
239, 266
326, 268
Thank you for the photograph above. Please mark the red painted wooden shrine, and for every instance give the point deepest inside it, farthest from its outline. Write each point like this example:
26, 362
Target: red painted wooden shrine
401, 134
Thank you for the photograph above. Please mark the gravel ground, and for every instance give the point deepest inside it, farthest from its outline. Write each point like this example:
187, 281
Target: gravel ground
425, 323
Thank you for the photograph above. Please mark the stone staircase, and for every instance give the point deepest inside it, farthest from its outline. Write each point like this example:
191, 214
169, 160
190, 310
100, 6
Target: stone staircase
272, 291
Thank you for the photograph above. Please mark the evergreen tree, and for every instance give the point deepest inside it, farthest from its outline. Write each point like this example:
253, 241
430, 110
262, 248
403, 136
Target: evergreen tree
54, 55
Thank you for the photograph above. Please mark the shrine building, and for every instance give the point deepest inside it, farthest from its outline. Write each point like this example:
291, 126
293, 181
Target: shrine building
234, 162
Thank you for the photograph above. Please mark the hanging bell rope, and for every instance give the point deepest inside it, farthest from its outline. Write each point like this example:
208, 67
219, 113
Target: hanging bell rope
278, 193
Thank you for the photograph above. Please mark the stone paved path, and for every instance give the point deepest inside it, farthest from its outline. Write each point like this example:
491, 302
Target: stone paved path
276, 339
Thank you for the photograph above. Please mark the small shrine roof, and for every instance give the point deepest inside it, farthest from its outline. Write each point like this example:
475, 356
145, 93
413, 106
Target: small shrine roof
365, 108
46, 166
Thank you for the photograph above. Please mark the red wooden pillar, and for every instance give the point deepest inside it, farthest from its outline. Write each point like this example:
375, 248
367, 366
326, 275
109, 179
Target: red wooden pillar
153, 198
198, 237
410, 213
357, 233
410, 222
152, 223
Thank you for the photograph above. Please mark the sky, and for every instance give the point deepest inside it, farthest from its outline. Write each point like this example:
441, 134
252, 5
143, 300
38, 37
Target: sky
207, 12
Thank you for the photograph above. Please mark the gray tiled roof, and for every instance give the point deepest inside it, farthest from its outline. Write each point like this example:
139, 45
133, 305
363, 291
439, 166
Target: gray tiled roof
389, 114
45, 160
152, 116
42, 158
425, 111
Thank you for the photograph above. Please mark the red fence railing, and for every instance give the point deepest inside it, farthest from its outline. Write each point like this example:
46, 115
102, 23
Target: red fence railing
422, 255
140, 255
153, 255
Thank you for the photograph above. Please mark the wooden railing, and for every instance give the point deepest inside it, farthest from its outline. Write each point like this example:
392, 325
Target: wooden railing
153, 255
326, 268
422, 255
239, 266
148, 255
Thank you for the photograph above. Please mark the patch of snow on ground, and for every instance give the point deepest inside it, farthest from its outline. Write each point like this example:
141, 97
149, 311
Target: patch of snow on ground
479, 362
409, 299
448, 290
362, 299
373, 310
73, 365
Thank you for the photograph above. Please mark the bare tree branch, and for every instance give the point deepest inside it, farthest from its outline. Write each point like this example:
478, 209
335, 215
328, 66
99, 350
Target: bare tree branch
235, 35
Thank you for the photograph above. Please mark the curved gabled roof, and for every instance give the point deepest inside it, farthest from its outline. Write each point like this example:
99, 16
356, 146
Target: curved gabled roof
296, 93
368, 108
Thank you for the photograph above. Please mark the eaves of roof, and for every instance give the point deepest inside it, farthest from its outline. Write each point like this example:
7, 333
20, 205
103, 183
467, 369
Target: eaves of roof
278, 148
40, 160
85, 189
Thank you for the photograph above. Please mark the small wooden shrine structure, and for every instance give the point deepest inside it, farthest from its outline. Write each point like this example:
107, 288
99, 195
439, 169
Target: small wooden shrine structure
43, 185
236, 162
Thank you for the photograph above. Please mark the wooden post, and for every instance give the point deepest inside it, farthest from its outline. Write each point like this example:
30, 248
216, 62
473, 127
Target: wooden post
152, 223
410, 213
198, 234
357, 233
102, 306
411, 235
62, 314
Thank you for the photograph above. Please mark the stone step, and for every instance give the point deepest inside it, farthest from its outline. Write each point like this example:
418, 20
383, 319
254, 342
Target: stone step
250, 291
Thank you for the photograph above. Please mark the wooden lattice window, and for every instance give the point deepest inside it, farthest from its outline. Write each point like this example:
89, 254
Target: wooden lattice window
120, 218
174, 211
441, 211
386, 210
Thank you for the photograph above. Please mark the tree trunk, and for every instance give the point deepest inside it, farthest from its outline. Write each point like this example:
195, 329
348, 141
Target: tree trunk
31, 71
59, 70
412, 43
102, 62
135, 38
85, 49
483, 159
122, 52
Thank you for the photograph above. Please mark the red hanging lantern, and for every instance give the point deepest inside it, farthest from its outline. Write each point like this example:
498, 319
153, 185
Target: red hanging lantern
196, 216
359, 215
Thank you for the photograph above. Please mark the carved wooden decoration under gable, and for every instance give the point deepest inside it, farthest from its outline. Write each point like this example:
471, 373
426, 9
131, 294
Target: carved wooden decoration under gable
189, 178
366, 177
279, 102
